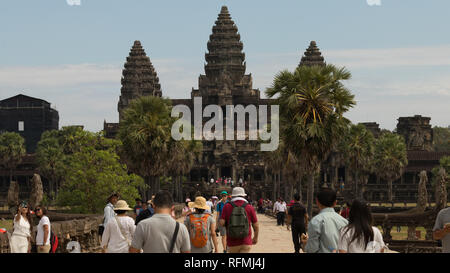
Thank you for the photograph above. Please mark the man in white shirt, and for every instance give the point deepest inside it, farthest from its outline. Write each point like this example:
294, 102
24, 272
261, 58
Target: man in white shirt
43, 231
109, 209
279, 208
210, 204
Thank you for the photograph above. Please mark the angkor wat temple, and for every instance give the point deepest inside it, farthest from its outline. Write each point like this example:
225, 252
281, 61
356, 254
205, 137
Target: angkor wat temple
225, 83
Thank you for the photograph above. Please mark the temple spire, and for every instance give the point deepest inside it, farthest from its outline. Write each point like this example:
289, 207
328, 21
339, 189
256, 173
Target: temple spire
139, 78
225, 49
312, 56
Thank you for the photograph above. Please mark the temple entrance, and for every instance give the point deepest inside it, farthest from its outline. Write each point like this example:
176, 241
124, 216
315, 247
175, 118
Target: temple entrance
225, 172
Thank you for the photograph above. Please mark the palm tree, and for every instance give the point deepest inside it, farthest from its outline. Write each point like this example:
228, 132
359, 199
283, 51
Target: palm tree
312, 103
358, 147
390, 158
50, 159
12, 149
184, 155
145, 132
273, 164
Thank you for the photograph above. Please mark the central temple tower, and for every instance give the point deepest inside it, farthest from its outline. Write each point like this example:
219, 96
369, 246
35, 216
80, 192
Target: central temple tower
225, 82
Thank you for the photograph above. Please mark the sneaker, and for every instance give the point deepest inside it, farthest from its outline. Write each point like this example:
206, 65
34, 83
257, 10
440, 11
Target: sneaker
224, 251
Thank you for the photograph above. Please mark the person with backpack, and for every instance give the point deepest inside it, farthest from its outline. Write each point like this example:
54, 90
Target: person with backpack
221, 229
43, 231
359, 236
119, 231
238, 216
201, 226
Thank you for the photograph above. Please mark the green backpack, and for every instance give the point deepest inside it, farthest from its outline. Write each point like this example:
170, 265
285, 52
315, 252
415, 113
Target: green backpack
238, 225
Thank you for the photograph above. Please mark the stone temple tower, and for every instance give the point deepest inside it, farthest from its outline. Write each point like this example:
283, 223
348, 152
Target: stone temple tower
225, 82
312, 56
139, 78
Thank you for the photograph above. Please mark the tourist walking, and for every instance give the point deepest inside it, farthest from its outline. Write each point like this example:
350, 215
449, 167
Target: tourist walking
279, 208
360, 236
43, 231
108, 212
138, 207
21, 236
109, 209
441, 229
118, 231
186, 209
345, 210
221, 229
261, 205
147, 212
161, 233
209, 203
299, 220
201, 226
239, 217
324, 229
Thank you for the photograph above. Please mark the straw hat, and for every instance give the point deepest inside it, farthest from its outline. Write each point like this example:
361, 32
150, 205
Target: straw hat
122, 205
199, 203
238, 192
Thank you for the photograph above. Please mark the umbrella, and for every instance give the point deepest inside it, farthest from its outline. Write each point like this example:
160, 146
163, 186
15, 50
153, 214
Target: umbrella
2, 230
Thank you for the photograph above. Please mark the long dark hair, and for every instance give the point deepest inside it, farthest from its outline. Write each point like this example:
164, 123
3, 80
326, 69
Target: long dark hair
360, 220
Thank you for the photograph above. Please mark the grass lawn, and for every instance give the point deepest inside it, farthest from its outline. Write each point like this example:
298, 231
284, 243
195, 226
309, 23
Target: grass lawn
403, 234
7, 224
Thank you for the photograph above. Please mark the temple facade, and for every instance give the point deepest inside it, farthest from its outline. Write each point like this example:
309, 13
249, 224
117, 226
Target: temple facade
225, 82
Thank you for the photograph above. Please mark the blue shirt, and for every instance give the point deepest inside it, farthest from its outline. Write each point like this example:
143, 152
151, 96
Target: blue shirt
324, 231
220, 206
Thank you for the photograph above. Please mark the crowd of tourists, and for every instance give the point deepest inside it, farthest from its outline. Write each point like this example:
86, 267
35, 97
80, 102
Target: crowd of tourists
348, 231
155, 229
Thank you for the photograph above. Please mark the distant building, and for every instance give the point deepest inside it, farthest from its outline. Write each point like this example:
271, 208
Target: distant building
29, 117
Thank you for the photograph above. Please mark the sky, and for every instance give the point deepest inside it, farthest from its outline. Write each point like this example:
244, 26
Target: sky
71, 52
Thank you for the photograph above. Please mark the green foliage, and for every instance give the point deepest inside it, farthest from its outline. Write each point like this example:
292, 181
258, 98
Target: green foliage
51, 160
358, 149
312, 102
390, 158
148, 147
92, 175
88, 167
12, 149
444, 162
145, 132
441, 139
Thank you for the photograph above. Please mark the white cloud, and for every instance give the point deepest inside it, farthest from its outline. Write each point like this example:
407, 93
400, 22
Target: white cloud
374, 2
88, 93
73, 2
